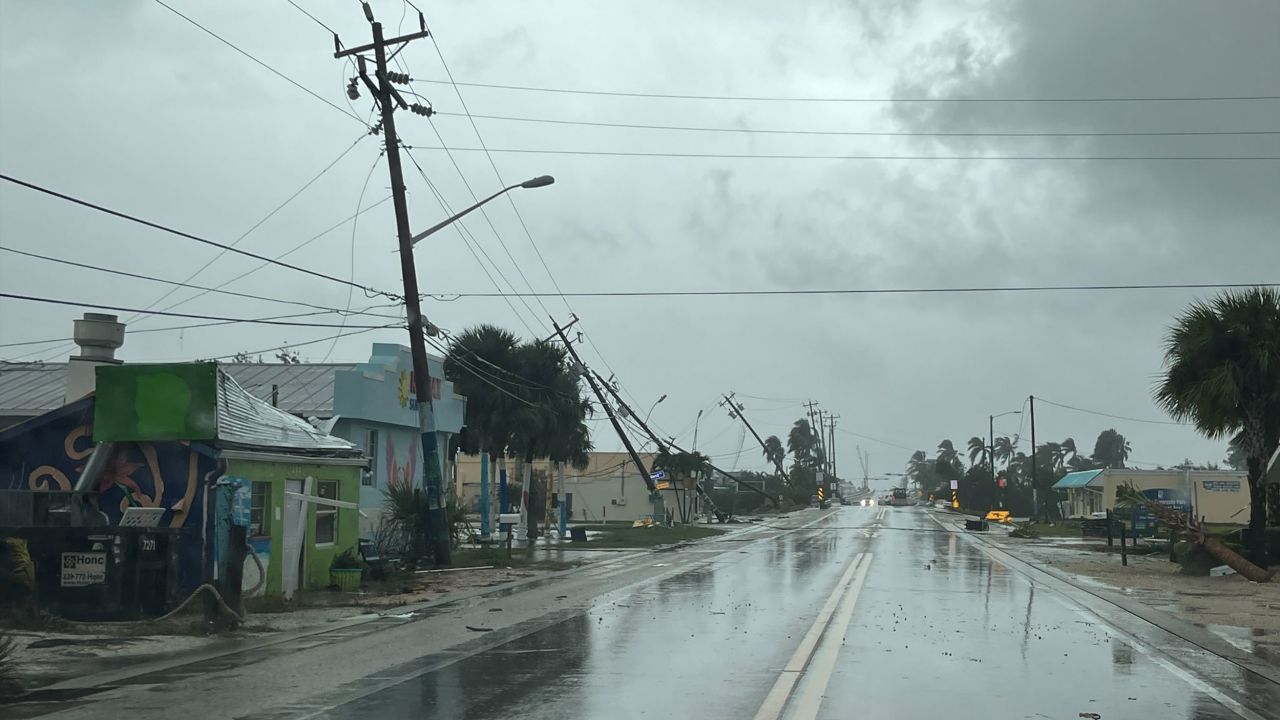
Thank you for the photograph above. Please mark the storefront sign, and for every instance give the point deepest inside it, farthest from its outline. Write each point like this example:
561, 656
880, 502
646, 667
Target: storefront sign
1221, 485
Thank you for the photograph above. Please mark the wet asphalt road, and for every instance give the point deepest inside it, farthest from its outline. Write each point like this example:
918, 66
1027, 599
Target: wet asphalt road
875, 612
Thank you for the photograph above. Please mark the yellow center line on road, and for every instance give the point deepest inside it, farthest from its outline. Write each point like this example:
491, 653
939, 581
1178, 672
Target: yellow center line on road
780, 693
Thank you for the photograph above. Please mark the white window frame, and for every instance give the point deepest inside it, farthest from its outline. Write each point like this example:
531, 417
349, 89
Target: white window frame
369, 478
329, 511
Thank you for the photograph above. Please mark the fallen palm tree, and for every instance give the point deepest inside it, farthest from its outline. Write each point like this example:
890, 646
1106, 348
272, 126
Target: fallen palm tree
1183, 525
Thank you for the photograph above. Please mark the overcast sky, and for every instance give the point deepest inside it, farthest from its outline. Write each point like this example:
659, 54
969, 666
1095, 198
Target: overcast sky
127, 105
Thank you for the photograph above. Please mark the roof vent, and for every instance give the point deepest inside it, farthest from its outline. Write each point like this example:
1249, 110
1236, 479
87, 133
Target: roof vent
98, 336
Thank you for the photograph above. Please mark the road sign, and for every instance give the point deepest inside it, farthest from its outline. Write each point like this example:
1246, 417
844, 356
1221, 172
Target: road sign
955, 484
657, 475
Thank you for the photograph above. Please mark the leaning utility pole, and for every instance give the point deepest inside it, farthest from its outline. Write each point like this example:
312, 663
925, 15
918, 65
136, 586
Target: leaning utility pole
735, 411
1035, 494
831, 447
608, 409
388, 99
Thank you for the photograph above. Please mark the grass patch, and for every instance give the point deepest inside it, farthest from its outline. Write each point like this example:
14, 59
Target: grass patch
625, 536
1062, 528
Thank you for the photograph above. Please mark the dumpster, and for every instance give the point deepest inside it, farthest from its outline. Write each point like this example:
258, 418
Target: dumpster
101, 573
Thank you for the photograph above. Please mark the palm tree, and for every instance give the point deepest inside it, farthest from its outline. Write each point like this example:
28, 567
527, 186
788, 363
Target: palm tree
1068, 448
977, 449
774, 453
1222, 360
1003, 450
481, 365
948, 463
1111, 449
548, 421
802, 443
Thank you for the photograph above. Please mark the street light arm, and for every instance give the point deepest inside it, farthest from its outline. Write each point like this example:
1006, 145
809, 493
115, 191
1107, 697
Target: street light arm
446, 222
540, 181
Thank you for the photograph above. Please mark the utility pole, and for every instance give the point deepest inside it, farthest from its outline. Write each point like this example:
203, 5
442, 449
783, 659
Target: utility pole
1035, 494
832, 445
608, 409
388, 100
735, 411
670, 444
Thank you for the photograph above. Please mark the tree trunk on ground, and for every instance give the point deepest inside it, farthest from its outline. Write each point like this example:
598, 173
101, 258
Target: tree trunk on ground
1235, 561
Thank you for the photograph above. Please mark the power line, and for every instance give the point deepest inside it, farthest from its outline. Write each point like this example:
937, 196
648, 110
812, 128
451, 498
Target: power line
866, 291
861, 133
290, 346
1110, 415
189, 236
272, 70
472, 244
355, 223
139, 331
90, 305
139, 276
796, 156
313, 17
284, 254
878, 440
494, 166
759, 98
255, 226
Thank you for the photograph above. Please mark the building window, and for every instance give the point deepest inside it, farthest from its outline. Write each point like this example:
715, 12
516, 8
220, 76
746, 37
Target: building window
260, 510
371, 454
326, 515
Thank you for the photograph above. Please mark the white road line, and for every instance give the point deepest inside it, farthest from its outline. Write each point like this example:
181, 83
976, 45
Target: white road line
776, 700
808, 699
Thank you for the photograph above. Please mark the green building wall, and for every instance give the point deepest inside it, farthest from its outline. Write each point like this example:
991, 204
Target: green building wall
316, 559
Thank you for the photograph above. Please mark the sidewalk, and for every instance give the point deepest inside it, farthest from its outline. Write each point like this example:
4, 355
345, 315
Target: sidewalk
1241, 613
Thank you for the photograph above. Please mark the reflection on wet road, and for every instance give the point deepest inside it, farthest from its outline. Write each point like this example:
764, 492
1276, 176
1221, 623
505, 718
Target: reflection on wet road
877, 612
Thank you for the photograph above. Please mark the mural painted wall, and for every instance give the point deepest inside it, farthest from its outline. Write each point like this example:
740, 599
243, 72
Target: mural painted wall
49, 453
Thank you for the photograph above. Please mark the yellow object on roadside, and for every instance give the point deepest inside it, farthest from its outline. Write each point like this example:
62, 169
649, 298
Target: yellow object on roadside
1000, 516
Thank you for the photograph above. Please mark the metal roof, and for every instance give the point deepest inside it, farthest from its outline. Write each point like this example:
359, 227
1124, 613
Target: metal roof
247, 421
306, 389
31, 388
1077, 479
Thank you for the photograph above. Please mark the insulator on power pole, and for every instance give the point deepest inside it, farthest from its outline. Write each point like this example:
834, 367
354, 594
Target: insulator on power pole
422, 110
398, 77
353, 91
368, 11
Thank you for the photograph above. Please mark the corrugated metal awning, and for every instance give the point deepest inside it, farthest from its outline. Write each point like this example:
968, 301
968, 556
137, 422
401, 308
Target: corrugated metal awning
1078, 479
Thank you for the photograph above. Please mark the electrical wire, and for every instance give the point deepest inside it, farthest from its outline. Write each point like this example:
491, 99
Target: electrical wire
1110, 415
800, 156
878, 440
473, 244
478, 374
874, 291
139, 276
257, 321
284, 254
758, 98
290, 346
501, 181
351, 275
272, 70
164, 228
137, 331
861, 133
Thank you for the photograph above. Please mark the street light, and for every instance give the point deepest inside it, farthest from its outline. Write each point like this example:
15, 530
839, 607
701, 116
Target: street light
651, 407
537, 182
991, 449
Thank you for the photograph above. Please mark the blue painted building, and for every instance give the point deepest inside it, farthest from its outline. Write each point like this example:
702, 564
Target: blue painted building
374, 408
